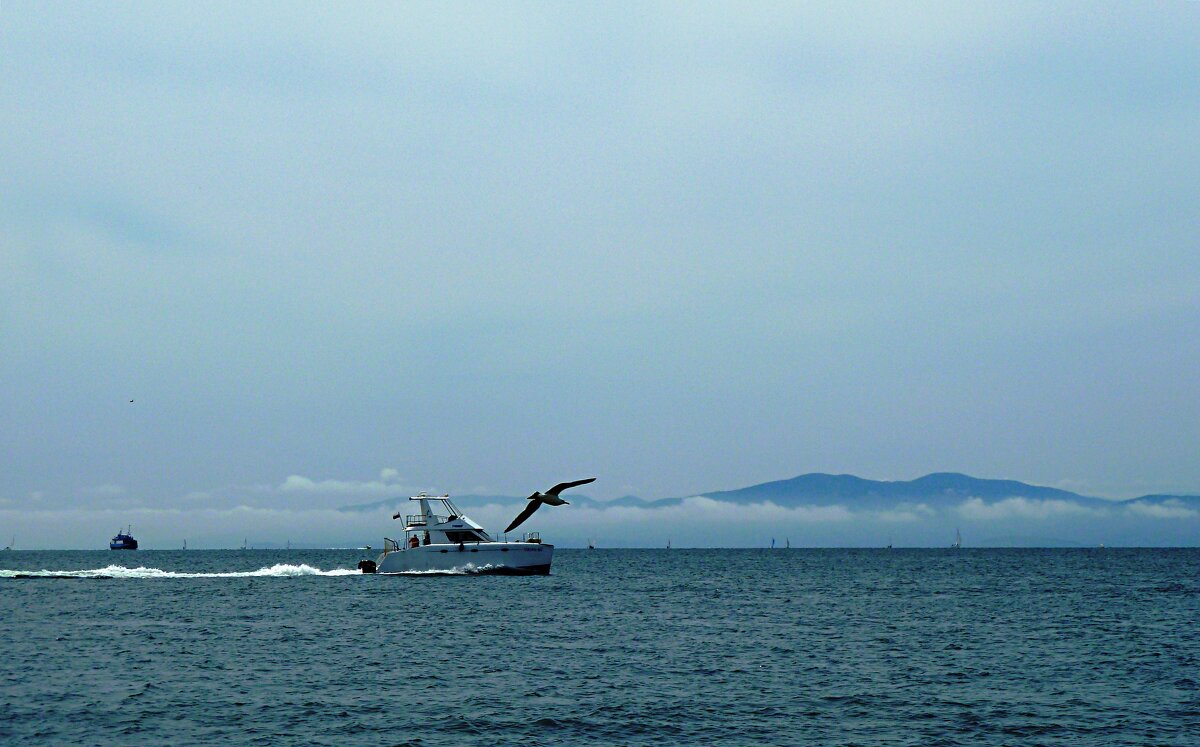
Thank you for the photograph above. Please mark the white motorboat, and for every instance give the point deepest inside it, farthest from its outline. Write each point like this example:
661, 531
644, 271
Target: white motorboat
440, 539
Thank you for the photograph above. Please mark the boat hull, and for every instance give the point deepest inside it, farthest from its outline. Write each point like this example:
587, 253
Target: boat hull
494, 558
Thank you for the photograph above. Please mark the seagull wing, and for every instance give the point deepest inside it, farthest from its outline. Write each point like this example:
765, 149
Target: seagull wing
564, 485
533, 506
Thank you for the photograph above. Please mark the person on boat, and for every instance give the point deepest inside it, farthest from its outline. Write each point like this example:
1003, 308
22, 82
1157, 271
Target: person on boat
414, 542
426, 538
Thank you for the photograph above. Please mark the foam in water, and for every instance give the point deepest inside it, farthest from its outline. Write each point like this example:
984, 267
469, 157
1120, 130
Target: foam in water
117, 571
461, 570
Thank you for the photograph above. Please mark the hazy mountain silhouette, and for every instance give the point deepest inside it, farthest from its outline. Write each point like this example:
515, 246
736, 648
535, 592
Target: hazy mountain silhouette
936, 490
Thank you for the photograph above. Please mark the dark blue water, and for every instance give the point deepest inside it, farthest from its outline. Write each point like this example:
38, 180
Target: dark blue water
903, 647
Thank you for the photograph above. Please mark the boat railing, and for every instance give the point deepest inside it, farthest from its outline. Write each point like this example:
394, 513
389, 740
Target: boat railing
420, 520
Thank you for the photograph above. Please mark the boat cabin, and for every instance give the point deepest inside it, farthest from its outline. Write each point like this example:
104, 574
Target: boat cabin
440, 522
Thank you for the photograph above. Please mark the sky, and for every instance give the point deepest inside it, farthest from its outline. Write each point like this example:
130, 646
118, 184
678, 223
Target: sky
284, 257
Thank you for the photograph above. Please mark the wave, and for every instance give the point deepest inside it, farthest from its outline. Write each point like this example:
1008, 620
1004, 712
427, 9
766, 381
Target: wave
280, 570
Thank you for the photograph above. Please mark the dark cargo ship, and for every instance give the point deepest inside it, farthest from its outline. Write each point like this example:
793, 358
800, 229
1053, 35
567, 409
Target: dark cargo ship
123, 540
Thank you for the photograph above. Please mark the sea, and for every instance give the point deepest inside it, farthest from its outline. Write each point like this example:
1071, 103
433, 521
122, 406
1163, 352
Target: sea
615, 647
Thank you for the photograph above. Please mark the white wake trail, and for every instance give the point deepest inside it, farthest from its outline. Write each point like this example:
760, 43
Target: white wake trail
280, 570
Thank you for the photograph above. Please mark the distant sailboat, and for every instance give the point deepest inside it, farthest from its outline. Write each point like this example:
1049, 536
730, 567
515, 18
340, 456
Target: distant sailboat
185, 544
957, 540
243, 543
591, 544
668, 544
12, 543
787, 544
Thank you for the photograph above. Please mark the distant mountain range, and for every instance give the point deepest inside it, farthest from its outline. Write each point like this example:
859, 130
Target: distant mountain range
818, 489
937, 489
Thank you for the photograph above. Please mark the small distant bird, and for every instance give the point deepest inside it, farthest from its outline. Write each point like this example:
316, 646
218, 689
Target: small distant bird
131, 401
550, 496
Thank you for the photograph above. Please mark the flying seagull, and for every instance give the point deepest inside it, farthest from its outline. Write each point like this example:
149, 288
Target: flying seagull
550, 496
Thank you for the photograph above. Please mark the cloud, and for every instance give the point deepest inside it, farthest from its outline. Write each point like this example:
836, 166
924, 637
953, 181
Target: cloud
707, 508
300, 484
905, 512
107, 494
697, 521
389, 474
1169, 509
1023, 508
693, 512
103, 491
703, 508
885, 143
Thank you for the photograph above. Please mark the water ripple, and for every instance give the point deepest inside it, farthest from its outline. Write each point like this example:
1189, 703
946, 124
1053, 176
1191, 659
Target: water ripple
616, 647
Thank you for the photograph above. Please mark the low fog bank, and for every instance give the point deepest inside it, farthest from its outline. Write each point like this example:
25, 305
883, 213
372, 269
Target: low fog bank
694, 522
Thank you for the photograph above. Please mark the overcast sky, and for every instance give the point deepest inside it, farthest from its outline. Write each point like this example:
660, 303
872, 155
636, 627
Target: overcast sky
681, 248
